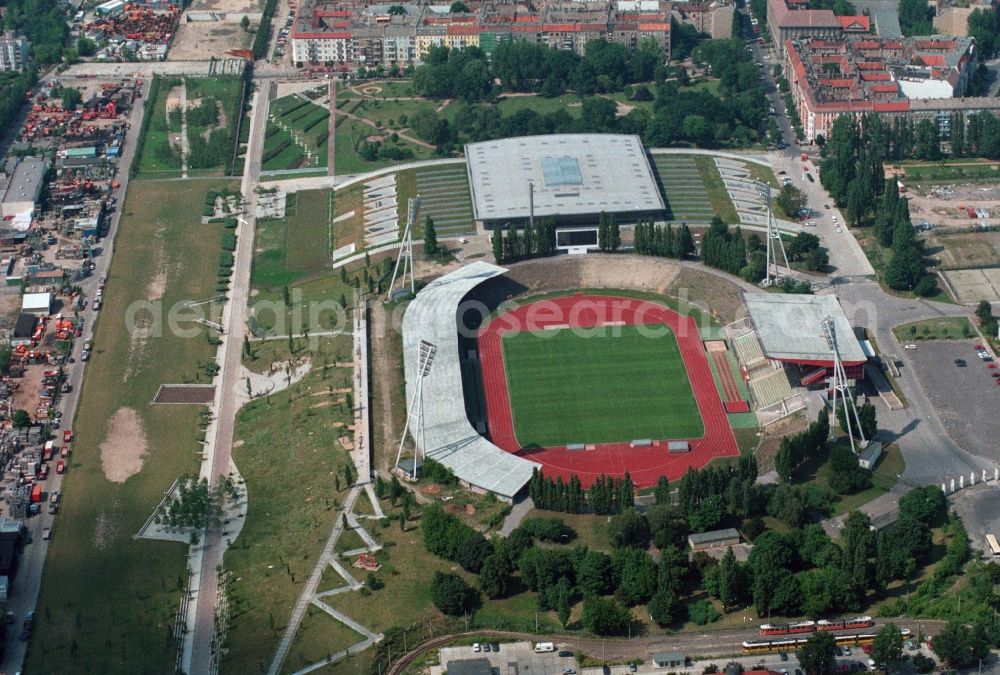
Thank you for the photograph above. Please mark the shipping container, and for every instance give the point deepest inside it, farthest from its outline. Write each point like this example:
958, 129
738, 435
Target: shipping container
36, 493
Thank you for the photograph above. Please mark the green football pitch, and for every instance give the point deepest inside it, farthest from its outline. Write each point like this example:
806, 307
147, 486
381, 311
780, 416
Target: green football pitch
610, 387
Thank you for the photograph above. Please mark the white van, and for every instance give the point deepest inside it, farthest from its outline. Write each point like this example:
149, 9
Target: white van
543, 647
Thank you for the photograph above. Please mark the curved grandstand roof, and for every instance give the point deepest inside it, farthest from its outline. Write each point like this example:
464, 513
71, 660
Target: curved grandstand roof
789, 327
572, 175
450, 438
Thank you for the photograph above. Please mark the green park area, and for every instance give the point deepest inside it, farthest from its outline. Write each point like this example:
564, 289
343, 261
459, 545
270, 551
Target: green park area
297, 133
943, 328
295, 490
213, 113
296, 246
108, 599
609, 387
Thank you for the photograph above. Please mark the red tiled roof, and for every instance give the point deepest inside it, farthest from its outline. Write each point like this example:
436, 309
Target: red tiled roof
855, 23
896, 106
656, 26
463, 30
884, 88
321, 36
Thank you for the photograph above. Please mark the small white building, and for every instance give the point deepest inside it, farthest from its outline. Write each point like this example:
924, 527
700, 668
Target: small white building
39, 304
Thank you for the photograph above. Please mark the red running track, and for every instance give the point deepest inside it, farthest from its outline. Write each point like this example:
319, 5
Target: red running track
729, 387
645, 465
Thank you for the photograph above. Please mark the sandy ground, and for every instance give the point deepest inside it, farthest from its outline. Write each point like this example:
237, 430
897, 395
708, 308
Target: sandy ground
944, 205
124, 446
200, 40
139, 341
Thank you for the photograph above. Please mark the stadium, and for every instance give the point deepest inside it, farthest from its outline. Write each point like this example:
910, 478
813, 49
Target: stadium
592, 382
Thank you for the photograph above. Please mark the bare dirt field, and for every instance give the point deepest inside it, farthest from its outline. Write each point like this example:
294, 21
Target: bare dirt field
971, 286
124, 446
200, 40
722, 297
945, 205
571, 272
966, 249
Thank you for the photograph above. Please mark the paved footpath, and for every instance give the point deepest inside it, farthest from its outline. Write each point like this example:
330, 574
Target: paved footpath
200, 648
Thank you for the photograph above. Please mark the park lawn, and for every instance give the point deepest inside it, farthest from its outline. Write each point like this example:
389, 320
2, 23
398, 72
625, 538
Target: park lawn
816, 471
943, 328
156, 158
319, 637
387, 89
350, 230
569, 103
106, 595
387, 113
349, 540
610, 387
309, 232
348, 161
332, 349
407, 567
718, 196
591, 530
227, 91
287, 451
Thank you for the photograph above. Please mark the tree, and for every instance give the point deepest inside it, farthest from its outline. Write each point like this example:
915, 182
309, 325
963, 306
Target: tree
629, 529
458, 7
563, 600
451, 594
791, 200
21, 419
730, 582
245, 23
397, 10
925, 504
960, 647
494, 576
662, 606
594, 573
71, 98
887, 648
85, 46
605, 616
915, 17
817, 656
662, 491
430, 237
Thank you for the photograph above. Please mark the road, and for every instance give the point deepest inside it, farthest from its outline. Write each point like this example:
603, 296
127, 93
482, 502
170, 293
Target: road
226, 404
717, 644
23, 593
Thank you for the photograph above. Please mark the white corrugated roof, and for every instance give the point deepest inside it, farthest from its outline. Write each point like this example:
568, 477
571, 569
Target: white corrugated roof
450, 437
789, 327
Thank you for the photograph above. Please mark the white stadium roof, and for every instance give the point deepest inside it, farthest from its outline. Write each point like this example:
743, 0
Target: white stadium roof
789, 327
451, 440
572, 174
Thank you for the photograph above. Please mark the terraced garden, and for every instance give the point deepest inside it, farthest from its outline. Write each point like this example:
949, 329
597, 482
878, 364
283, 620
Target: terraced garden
692, 189
296, 136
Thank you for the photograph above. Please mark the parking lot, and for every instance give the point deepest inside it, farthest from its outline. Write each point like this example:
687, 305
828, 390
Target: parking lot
520, 653
966, 398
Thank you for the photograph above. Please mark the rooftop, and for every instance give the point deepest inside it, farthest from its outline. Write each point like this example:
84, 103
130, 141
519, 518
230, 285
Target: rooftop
450, 437
789, 327
714, 535
572, 174
25, 176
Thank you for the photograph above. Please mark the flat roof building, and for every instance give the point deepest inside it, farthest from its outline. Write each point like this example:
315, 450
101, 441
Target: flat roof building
570, 177
793, 19
13, 52
22, 185
39, 304
789, 328
713, 539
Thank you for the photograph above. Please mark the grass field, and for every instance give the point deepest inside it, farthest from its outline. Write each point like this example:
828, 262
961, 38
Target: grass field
944, 328
297, 245
346, 158
566, 388
108, 600
157, 158
287, 450
296, 136
224, 93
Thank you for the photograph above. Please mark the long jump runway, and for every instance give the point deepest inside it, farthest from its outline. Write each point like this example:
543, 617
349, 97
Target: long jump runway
644, 464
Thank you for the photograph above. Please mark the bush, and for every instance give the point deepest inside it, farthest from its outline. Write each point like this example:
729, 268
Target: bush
604, 616
702, 612
549, 529
452, 595
228, 241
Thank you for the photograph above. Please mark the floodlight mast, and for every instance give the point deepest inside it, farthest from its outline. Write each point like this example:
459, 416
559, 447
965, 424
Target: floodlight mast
404, 263
774, 243
841, 388
415, 411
